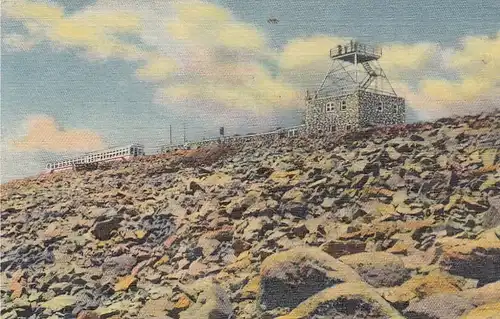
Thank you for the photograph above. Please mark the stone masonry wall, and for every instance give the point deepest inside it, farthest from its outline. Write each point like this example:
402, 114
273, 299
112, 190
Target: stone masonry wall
378, 109
354, 110
343, 116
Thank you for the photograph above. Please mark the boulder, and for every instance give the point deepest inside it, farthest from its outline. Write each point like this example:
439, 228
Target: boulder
440, 306
487, 311
344, 301
59, 303
118, 266
212, 303
290, 277
338, 248
477, 259
251, 289
491, 217
422, 286
357, 167
87, 315
348, 214
154, 308
379, 269
487, 294
105, 225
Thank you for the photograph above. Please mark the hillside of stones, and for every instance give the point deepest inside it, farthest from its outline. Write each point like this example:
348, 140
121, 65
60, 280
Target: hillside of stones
398, 222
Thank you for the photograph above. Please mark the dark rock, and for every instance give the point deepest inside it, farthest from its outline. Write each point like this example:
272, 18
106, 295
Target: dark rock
159, 227
193, 187
491, 217
348, 214
453, 227
105, 225
118, 266
359, 181
337, 248
417, 138
379, 269
296, 209
452, 179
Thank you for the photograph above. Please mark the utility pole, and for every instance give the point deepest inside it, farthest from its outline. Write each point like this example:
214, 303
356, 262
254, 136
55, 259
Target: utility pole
170, 134
184, 126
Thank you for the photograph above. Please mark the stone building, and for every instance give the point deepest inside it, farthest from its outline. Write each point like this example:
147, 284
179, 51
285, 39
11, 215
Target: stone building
355, 93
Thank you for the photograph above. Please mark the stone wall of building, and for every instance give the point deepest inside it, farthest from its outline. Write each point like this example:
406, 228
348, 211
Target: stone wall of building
378, 109
332, 113
352, 111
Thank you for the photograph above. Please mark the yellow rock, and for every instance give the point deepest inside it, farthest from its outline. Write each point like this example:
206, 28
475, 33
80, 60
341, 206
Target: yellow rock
374, 259
102, 244
385, 209
378, 191
345, 292
489, 293
284, 177
125, 282
216, 179
488, 156
251, 289
294, 195
475, 156
183, 303
403, 209
140, 234
161, 261
244, 255
452, 202
423, 286
401, 247
488, 311
154, 308
457, 246
490, 182
239, 265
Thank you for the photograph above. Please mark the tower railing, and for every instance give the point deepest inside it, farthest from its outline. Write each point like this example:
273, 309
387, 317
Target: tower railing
355, 47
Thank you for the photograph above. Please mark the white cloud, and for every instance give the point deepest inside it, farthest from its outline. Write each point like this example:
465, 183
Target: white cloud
44, 134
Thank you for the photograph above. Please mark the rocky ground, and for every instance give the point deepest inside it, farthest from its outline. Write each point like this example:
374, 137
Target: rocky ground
402, 222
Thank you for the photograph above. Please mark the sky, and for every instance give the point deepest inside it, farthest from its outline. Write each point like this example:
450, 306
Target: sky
83, 75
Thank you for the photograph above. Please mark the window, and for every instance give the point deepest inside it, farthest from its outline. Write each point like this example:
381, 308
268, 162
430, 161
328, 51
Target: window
330, 107
343, 105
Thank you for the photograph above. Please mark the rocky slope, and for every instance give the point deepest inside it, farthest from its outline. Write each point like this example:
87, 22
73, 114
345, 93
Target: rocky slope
400, 222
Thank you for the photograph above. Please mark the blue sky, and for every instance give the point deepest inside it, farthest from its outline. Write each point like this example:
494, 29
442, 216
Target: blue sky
162, 67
